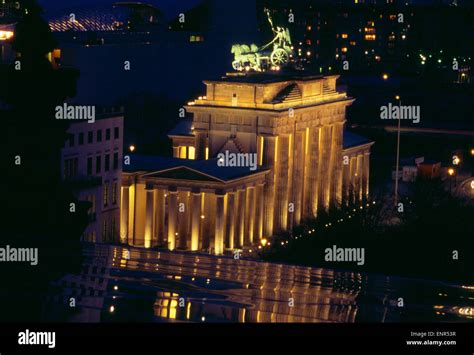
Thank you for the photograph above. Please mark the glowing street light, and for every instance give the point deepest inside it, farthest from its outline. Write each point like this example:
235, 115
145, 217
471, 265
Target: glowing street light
385, 76
264, 241
451, 171
132, 148
456, 160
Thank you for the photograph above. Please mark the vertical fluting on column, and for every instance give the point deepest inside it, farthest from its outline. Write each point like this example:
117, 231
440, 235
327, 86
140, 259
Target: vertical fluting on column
269, 162
159, 234
298, 175
337, 164
230, 225
172, 219
132, 214
366, 174
251, 213
195, 219
200, 145
360, 164
124, 212
325, 160
314, 172
260, 209
149, 216
220, 224
281, 185
241, 218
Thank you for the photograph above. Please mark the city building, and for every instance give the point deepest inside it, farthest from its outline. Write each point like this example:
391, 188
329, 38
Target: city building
91, 162
291, 123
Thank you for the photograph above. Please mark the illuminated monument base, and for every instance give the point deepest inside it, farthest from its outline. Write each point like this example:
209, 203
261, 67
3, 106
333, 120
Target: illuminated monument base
306, 164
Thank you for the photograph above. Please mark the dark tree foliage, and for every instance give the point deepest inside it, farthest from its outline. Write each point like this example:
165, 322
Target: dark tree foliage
419, 242
37, 203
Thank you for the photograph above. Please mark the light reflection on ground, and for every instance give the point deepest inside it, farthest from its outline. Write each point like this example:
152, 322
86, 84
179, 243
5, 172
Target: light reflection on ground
123, 285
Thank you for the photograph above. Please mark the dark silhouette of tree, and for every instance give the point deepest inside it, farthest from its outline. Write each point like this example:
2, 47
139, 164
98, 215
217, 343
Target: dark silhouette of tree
37, 203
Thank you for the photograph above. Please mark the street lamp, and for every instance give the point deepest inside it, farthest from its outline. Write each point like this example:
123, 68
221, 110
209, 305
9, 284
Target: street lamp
451, 172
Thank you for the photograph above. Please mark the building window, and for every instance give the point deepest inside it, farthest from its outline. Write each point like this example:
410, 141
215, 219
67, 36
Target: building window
116, 160
114, 193
116, 133
107, 134
107, 162
81, 138
70, 168
98, 163
89, 166
112, 233
99, 135
104, 230
105, 198
71, 140
90, 137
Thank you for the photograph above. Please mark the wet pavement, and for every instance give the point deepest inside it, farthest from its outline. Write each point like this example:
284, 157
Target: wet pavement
120, 284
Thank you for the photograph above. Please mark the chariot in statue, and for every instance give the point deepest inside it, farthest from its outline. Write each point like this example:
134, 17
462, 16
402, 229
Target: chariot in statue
272, 55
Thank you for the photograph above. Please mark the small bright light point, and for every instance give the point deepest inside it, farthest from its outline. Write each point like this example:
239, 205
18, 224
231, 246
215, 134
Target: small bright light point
385, 77
132, 148
112, 309
115, 287
451, 171
397, 97
203, 319
264, 241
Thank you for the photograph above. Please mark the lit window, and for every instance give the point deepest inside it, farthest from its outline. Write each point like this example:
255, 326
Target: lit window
191, 153
344, 35
344, 50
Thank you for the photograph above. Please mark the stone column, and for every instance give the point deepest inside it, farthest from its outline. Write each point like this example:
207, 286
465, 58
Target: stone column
172, 219
346, 182
269, 146
298, 176
220, 225
360, 163
251, 213
366, 175
175, 151
353, 179
260, 210
159, 216
241, 218
124, 214
149, 216
200, 145
325, 160
195, 219
312, 173
230, 220
281, 185
337, 164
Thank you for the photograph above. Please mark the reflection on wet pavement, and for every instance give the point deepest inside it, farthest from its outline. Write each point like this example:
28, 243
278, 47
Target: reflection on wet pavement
123, 284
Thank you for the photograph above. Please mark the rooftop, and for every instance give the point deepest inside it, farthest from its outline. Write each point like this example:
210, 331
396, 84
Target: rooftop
185, 169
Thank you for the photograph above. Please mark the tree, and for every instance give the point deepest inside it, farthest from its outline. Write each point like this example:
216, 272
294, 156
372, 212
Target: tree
38, 204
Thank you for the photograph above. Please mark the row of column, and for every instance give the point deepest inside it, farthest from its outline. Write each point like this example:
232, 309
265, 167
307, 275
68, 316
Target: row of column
306, 173
356, 177
194, 220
